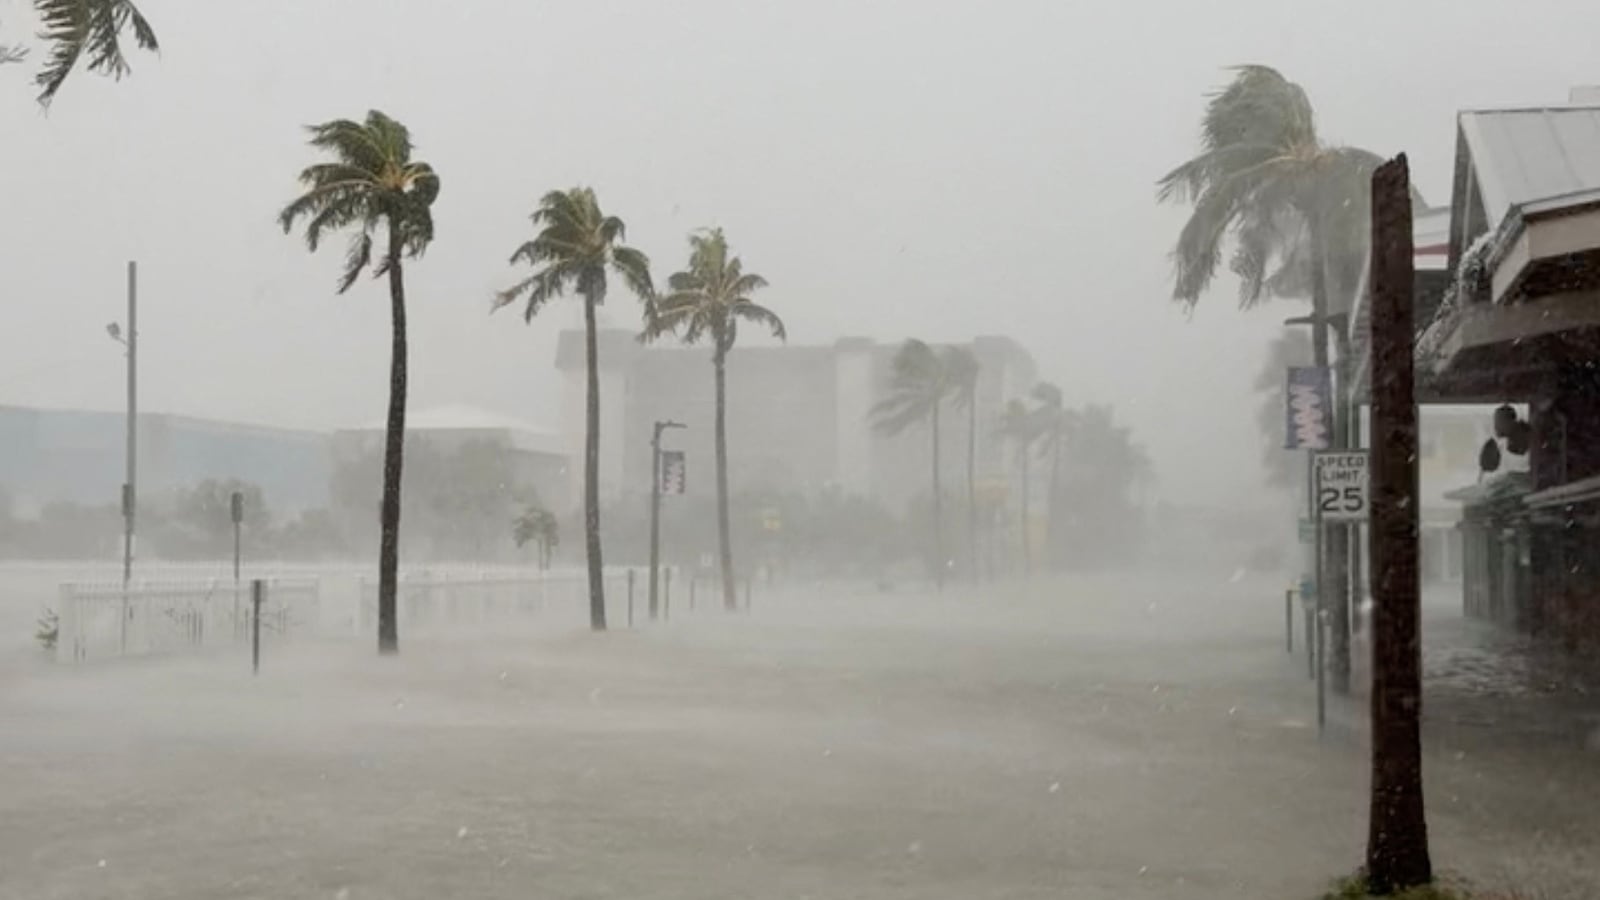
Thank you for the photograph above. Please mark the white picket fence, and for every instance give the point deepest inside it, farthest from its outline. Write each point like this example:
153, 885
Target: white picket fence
441, 600
98, 620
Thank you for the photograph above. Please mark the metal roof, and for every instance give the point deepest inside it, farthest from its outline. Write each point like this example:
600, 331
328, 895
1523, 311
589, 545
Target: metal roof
1523, 155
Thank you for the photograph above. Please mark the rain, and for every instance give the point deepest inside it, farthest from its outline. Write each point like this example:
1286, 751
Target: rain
803, 450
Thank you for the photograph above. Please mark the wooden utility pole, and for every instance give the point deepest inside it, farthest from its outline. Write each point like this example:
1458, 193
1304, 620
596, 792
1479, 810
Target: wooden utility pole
1397, 837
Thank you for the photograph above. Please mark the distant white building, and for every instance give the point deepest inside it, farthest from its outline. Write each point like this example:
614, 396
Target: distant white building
798, 416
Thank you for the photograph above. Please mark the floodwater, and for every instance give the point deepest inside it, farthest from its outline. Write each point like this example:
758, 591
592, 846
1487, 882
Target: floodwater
1127, 738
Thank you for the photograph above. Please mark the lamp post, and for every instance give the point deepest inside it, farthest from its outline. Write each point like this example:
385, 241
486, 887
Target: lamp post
655, 509
130, 341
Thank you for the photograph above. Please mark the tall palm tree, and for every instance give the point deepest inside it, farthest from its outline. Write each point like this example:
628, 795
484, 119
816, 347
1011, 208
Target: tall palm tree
372, 184
77, 28
1020, 426
962, 369
1296, 208
708, 300
576, 248
918, 385
1052, 422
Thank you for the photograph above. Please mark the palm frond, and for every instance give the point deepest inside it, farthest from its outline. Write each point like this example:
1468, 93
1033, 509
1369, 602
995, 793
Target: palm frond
634, 267
356, 259
754, 312
93, 28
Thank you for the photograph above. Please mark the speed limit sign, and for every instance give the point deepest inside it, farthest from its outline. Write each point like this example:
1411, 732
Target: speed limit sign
1340, 485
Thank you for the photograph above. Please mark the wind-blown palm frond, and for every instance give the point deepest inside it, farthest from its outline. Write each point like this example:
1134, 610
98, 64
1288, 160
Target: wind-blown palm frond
710, 297
576, 245
917, 383
372, 185
1265, 179
93, 28
961, 370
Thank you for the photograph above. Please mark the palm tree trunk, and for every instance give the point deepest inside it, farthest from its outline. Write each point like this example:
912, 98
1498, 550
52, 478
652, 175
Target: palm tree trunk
1397, 836
394, 437
1027, 542
730, 594
938, 503
1335, 572
1053, 530
972, 486
591, 472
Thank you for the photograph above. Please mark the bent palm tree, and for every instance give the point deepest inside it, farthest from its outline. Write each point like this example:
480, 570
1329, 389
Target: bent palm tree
373, 185
961, 370
917, 387
78, 28
537, 525
707, 300
1020, 426
575, 249
1052, 422
1297, 210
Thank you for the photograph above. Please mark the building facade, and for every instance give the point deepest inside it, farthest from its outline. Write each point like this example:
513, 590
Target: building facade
799, 417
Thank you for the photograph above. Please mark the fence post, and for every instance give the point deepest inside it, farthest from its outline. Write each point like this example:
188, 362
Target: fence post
257, 588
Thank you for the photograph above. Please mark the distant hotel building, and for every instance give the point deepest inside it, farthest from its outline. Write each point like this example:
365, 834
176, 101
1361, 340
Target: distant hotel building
798, 416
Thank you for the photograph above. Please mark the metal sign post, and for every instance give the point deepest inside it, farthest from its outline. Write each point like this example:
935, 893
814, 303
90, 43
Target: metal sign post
1339, 495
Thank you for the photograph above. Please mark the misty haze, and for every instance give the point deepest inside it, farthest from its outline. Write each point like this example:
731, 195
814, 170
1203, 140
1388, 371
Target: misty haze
803, 450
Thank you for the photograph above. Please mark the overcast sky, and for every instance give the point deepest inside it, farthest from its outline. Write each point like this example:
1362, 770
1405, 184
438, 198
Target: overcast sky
922, 167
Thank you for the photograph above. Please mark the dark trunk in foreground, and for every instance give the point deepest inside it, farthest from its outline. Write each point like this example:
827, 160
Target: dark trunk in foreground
1397, 838
730, 595
394, 441
591, 472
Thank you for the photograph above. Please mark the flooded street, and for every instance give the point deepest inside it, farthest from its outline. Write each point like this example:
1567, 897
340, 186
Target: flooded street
1100, 739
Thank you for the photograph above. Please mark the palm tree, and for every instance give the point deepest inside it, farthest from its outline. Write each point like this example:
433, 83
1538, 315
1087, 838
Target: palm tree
1020, 426
1053, 423
707, 300
75, 28
577, 246
1293, 204
918, 384
961, 369
1297, 210
537, 525
373, 185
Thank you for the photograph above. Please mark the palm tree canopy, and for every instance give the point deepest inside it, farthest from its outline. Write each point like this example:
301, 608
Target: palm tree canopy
369, 181
1266, 179
710, 297
575, 247
1020, 425
917, 382
961, 371
1053, 422
75, 29
536, 524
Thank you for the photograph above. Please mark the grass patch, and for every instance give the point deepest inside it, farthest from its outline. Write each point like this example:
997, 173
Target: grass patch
1354, 887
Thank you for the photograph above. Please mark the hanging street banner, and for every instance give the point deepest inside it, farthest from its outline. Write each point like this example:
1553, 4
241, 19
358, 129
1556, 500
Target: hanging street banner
1308, 424
674, 472
1340, 479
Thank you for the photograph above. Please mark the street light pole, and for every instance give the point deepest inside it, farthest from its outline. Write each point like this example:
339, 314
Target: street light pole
655, 510
130, 343
130, 490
